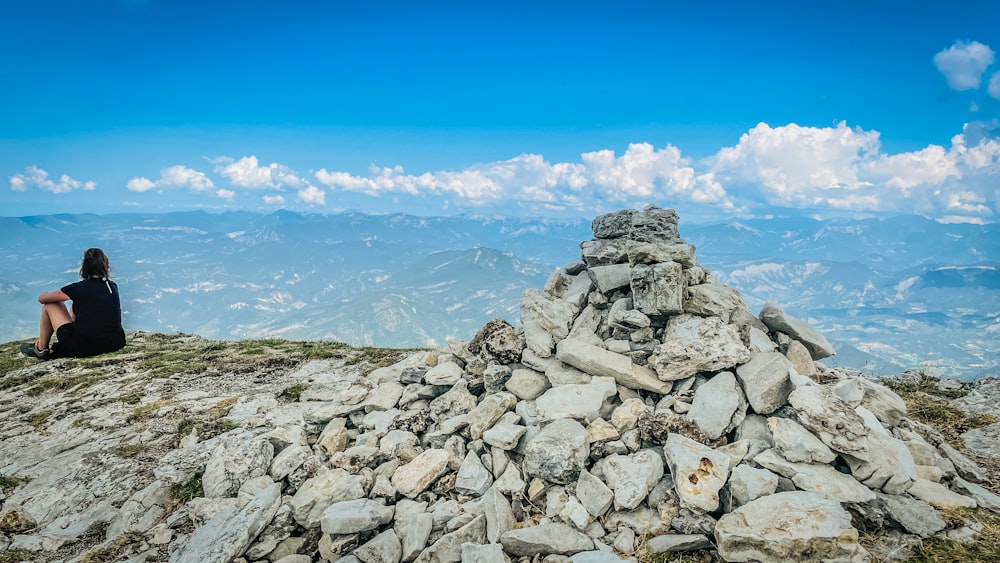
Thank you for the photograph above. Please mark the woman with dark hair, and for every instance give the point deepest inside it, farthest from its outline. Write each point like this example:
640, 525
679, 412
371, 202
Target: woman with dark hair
93, 326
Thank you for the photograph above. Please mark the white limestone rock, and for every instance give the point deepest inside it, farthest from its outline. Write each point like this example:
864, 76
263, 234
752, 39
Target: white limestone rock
697, 344
698, 472
415, 477
790, 526
558, 453
632, 477
820, 479
597, 361
718, 406
766, 381
796, 444
777, 320
238, 457
544, 539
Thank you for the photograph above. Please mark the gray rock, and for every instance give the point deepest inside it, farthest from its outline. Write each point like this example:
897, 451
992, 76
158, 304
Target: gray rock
545, 539
820, 479
777, 320
790, 526
488, 412
658, 289
593, 494
317, 493
604, 252
984, 497
796, 444
765, 379
613, 225
141, 511
499, 341
455, 402
697, 344
499, 515
831, 419
595, 360
230, 532
238, 457
386, 395
640, 252
504, 434
632, 477
413, 526
939, 496
675, 543
359, 515
558, 453
611, 277
445, 373
527, 384
748, 483
448, 548
545, 321
913, 515
890, 466
415, 477
473, 478
580, 402
965, 467
383, 548
719, 405
488, 553
698, 471
714, 300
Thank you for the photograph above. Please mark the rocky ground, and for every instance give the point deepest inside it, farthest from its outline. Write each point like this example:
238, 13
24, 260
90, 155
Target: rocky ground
640, 412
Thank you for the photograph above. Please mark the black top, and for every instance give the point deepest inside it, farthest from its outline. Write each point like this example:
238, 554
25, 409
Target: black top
97, 310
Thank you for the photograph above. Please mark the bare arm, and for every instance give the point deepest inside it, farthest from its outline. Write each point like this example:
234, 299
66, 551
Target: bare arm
56, 296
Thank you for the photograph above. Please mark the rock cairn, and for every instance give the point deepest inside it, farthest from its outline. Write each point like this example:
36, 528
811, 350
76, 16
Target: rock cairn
640, 405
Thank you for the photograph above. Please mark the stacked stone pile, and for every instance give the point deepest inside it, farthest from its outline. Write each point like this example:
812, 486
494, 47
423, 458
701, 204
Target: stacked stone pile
641, 405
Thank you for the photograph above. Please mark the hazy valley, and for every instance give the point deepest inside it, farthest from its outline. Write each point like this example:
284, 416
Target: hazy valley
892, 294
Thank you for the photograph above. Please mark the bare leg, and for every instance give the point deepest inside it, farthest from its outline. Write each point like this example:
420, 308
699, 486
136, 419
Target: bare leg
54, 315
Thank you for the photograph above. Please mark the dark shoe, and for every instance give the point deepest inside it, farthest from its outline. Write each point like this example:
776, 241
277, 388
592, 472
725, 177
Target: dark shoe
28, 349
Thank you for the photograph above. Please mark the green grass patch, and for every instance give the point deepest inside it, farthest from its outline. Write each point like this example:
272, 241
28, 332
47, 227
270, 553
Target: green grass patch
145, 412
39, 418
924, 383
128, 451
123, 546
10, 482
183, 492
985, 548
16, 555
293, 392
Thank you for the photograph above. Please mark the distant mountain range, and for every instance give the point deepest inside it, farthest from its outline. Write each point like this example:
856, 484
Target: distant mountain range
892, 293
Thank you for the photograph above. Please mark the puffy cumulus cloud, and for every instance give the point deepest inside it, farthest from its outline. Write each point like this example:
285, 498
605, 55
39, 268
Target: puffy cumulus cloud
178, 176
35, 177
792, 162
844, 168
964, 63
312, 195
274, 200
994, 87
247, 172
225, 194
642, 174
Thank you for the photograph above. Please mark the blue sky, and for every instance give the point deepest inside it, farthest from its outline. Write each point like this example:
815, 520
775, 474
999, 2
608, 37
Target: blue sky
518, 108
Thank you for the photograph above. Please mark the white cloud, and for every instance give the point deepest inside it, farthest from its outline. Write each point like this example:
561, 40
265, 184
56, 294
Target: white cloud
312, 195
248, 173
964, 63
35, 177
177, 176
994, 87
642, 174
843, 168
226, 194
274, 200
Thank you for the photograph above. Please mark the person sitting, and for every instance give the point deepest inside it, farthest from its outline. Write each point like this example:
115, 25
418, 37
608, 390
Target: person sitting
93, 326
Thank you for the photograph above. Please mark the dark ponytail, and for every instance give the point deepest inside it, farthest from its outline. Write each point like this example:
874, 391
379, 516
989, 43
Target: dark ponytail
95, 264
